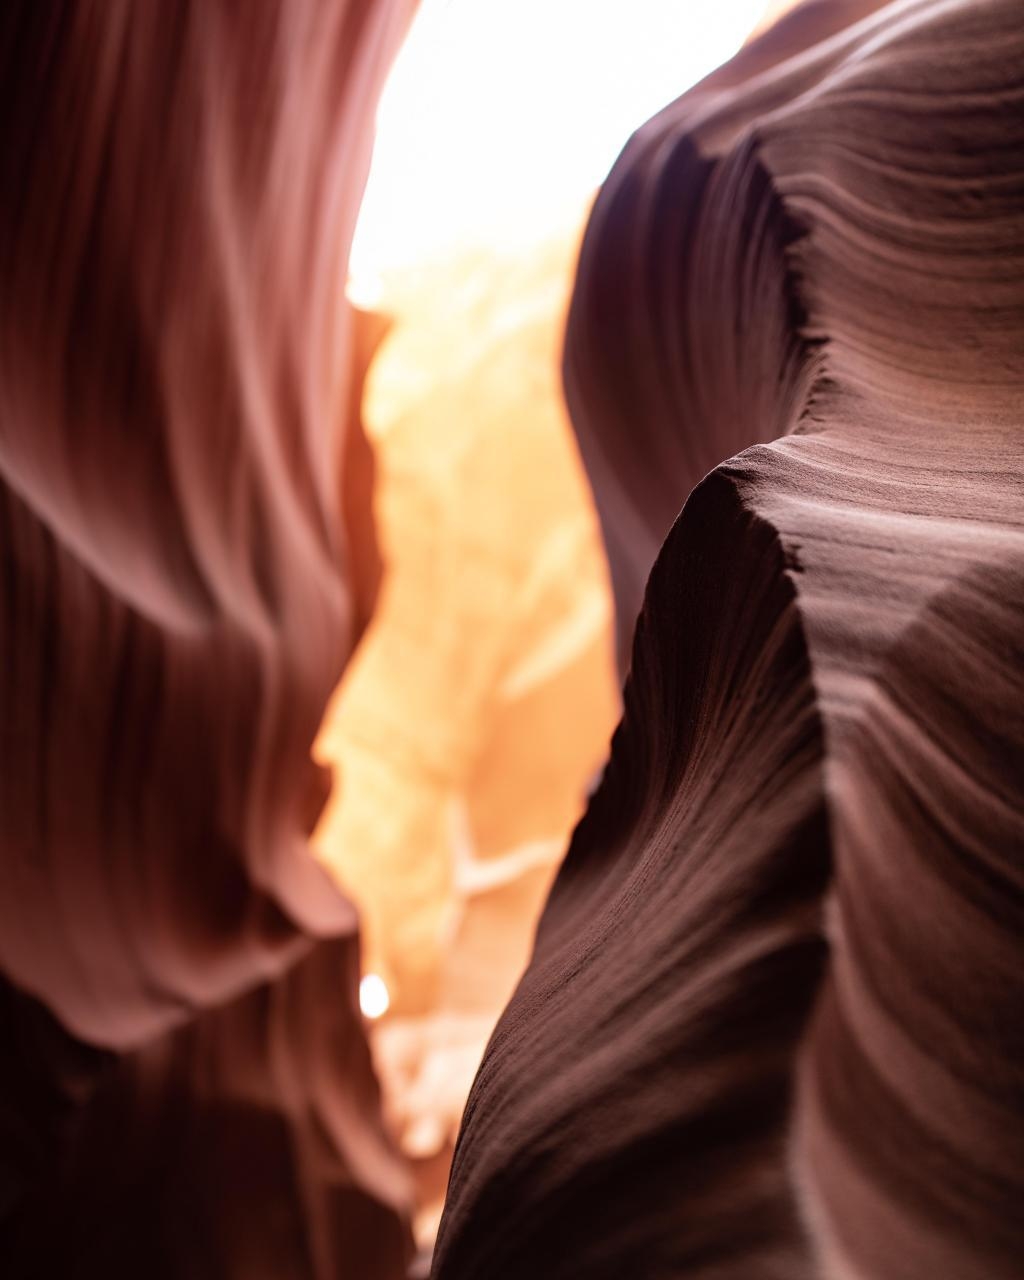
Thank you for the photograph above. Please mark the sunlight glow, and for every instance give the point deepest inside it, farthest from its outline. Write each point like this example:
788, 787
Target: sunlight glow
502, 116
373, 996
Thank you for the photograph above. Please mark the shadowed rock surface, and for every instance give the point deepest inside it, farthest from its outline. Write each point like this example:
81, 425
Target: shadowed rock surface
187, 1090
771, 1027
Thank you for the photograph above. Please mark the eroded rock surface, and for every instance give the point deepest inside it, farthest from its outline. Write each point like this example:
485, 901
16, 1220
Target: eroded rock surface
186, 1085
771, 1027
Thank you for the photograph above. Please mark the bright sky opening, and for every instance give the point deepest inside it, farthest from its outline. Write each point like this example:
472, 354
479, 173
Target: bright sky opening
502, 116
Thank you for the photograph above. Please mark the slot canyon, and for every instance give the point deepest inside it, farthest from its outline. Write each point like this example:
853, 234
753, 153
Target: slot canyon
512, 640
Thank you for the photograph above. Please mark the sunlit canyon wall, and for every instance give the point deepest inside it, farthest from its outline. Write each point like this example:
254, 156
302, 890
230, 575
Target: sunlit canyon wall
477, 711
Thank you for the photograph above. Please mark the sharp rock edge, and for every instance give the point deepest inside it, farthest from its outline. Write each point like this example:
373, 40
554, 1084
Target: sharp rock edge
772, 1023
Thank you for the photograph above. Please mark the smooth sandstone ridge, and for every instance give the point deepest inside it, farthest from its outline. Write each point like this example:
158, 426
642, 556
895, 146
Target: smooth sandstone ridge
185, 1086
771, 1029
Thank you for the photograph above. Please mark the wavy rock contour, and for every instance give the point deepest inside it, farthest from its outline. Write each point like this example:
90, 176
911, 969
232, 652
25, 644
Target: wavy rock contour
186, 1086
771, 1027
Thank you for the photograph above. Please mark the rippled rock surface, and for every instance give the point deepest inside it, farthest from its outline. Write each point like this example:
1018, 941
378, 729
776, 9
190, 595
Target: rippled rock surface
186, 1087
771, 1027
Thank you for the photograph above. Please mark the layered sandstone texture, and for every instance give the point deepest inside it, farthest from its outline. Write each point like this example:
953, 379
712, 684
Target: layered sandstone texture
772, 1023
186, 1085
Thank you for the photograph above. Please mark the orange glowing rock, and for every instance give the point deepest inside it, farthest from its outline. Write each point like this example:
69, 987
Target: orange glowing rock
479, 706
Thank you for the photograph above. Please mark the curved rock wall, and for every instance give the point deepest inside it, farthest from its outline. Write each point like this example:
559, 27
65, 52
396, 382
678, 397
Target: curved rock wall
187, 1087
771, 1026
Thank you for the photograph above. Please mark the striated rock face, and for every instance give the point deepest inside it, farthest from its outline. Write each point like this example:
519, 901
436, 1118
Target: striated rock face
186, 1086
771, 1027
650, 297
